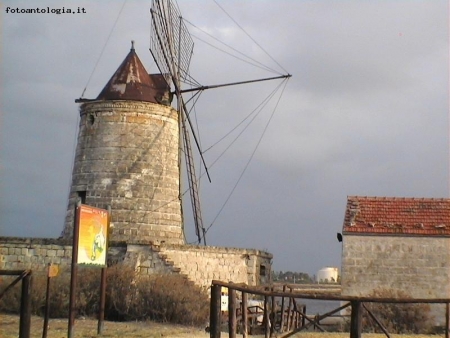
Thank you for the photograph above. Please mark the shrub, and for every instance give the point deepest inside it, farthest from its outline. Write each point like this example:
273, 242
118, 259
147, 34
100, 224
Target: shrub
166, 298
397, 317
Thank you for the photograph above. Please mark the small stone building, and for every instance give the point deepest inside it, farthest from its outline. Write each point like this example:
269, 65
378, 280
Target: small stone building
128, 158
396, 243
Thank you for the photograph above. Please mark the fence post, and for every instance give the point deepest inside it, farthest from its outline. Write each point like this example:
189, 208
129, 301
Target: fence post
289, 313
266, 320
272, 316
215, 311
101, 312
355, 319
244, 315
232, 313
47, 303
304, 315
282, 311
447, 320
25, 307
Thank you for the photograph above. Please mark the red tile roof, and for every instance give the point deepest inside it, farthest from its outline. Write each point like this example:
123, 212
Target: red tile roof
394, 215
132, 82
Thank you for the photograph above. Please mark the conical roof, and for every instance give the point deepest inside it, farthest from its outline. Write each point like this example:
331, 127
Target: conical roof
132, 82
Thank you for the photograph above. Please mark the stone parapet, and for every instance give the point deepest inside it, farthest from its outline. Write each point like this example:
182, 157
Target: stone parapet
199, 264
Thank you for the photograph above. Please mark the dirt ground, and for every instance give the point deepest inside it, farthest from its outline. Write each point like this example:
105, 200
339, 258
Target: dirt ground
87, 328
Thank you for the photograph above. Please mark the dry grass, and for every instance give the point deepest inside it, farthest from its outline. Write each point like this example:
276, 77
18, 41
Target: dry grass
9, 328
86, 328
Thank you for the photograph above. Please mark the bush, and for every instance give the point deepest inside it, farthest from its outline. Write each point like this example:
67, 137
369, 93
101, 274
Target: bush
166, 298
397, 317
87, 291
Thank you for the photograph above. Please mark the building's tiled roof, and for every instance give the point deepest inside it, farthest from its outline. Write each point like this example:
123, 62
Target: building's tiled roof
132, 82
394, 215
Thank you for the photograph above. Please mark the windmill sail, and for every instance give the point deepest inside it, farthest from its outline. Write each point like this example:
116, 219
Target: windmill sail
170, 41
171, 47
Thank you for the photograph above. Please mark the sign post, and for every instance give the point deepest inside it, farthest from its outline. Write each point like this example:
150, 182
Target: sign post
52, 272
73, 271
90, 238
101, 315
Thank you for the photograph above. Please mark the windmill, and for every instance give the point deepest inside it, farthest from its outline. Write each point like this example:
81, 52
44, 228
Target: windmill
171, 46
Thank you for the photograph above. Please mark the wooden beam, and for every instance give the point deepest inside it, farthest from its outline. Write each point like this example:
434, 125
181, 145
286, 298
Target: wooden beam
244, 315
447, 320
258, 291
232, 313
272, 317
215, 311
266, 320
356, 320
376, 321
282, 310
25, 308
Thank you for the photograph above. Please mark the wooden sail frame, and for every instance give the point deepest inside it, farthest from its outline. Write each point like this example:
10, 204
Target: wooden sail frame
171, 46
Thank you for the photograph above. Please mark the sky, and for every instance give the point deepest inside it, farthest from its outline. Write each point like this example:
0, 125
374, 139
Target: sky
366, 112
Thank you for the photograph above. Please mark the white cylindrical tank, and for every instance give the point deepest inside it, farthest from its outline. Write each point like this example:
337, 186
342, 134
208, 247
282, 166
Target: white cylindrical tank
327, 275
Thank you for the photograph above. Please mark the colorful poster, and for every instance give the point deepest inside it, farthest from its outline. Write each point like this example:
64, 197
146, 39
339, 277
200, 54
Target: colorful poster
92, 236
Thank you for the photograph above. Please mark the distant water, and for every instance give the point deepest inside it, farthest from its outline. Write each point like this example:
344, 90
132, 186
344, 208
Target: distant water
314, 306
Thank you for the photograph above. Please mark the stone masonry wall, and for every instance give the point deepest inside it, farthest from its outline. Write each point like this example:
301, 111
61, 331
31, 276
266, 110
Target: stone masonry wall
419, 266
204, 264
199, 264
127, 157
34, 254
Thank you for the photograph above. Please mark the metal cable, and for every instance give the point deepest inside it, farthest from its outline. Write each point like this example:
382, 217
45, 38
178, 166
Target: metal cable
256, 63
250, 159
103, 49
237, 24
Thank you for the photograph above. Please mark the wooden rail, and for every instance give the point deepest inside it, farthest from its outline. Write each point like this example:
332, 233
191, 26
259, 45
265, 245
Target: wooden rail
293, 319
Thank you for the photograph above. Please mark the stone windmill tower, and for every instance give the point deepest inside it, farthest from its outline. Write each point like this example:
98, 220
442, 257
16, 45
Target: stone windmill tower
127, 156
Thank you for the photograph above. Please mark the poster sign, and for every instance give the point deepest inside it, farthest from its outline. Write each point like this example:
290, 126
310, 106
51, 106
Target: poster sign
92, 236
53, 270
224, 300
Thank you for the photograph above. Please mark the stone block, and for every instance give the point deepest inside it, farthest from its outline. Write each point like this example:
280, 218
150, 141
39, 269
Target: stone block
11, 258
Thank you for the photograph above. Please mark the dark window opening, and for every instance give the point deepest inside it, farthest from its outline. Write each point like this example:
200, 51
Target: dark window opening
82, 196
91, 119
262, 270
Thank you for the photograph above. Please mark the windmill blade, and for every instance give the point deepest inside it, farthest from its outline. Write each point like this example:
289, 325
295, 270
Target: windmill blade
192, 179
234, 83
170, 42
171, 47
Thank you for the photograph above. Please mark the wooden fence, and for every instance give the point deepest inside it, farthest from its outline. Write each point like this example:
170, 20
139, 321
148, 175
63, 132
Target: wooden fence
25, 298
291, 318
